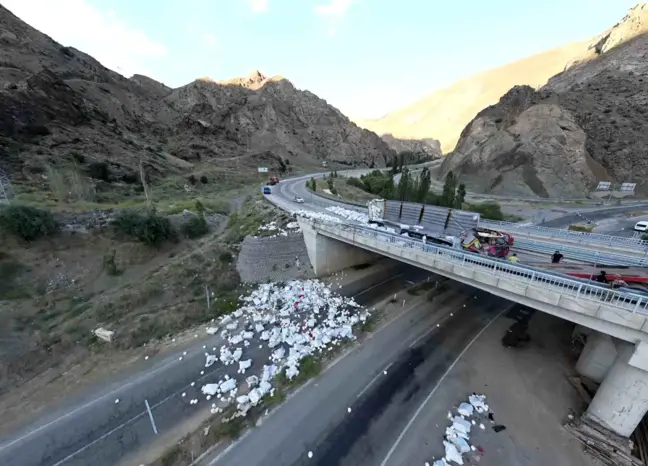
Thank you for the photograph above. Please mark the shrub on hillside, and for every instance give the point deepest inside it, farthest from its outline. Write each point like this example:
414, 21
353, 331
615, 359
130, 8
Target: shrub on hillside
195, 227
488, 210
28, 223
149, 228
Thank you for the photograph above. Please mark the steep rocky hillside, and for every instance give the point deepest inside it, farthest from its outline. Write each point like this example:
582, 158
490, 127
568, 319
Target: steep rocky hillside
444, 113
586, 125
57, 103
428, 146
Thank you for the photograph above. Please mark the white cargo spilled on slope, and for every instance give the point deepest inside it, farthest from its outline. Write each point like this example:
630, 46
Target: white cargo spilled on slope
293, 321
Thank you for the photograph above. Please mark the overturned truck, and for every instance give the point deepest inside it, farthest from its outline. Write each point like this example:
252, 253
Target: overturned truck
439, 225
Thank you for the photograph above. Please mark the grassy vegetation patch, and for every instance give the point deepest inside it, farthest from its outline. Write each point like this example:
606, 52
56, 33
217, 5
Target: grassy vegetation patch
582, 228
149, 228
27, 222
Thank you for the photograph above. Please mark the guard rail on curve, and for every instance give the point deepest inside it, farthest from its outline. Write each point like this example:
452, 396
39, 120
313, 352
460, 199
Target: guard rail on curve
578, 236
589, 256
631, 302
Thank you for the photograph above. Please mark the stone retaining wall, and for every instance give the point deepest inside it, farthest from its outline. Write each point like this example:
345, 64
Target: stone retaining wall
274, 259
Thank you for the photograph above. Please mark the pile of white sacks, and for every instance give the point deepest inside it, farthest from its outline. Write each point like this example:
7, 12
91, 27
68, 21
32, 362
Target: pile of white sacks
293, 320
349, 214
316, 216
457, 435
277, 230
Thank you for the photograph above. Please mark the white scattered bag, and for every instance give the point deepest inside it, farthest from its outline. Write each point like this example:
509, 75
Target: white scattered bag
466, 409
452, 454
210, 360
478, 402
461, 425
461, 444
210, 389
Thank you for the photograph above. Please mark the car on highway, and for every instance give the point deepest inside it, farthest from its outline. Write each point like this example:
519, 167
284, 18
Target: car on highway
298, 200
641, 227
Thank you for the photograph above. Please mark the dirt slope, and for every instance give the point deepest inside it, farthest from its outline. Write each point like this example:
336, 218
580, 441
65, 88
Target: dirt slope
56, 101
444, 113
586, 125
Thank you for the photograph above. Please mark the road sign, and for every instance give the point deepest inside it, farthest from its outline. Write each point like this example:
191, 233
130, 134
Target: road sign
604, 186
263, 169
628, 187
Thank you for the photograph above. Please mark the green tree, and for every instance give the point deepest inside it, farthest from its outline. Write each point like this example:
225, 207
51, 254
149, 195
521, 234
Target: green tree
423, 185
460, 196
401, 161
313, 185
404, 185
449, 190
388, 188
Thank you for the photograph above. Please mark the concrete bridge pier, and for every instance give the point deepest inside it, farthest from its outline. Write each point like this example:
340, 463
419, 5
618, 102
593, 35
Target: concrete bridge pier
597, 356
328, 255
622, 399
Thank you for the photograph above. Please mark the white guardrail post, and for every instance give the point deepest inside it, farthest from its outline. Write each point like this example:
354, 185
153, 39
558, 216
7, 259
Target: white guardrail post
630, 302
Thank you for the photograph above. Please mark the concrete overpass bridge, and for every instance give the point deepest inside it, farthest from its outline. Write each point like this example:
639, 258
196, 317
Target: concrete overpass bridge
616, 354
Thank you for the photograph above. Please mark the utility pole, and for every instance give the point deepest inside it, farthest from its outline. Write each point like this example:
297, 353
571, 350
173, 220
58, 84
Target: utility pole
6, 190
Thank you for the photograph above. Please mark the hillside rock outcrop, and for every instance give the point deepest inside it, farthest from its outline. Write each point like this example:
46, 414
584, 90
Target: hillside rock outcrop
587, 124
428, 146
56, 100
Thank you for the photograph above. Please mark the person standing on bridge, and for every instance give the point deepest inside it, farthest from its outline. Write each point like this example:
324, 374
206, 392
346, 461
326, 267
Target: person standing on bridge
556, 257
514, 258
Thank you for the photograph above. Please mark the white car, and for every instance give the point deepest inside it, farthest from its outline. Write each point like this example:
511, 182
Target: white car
298, 200
641, 227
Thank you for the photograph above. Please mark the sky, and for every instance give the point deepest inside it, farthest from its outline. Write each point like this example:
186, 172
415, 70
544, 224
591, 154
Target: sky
366, 57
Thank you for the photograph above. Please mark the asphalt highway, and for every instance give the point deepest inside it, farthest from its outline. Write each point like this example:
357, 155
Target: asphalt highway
94, 429
354, 412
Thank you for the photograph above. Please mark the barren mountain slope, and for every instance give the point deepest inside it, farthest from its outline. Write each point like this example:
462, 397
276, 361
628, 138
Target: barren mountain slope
56, 101
587, 124
444, 113
428, 146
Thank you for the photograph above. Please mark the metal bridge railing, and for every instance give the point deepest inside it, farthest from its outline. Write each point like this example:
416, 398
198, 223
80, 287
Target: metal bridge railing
590, 256
580, 289
578, 236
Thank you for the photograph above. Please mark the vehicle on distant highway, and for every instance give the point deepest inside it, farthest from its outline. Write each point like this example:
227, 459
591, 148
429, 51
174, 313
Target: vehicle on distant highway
641, 227
298, 200
267, 190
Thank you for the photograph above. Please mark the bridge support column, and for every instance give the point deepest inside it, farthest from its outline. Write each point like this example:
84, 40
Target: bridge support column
328, 255
597, 356
622, 399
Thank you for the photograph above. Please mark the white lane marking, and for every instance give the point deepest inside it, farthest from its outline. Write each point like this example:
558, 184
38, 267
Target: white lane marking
375, 286
436, 387
130, 421
411, 345
88, 404
364, 390
434, 327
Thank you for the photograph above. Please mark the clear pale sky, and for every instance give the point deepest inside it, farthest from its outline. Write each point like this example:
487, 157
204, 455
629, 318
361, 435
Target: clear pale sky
366, 57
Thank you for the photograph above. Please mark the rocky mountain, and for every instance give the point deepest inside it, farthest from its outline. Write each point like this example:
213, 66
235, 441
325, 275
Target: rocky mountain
57, 102
589, 123
428, 146
443, 114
